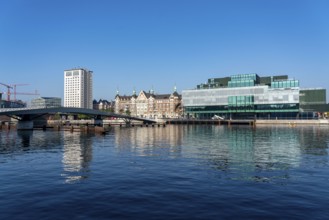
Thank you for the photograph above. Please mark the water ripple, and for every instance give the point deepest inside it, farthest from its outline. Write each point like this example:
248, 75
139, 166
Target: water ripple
176, 172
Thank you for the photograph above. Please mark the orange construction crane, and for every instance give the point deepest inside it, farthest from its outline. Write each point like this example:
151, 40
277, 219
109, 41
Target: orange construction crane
14, 85
27, 93
8, 90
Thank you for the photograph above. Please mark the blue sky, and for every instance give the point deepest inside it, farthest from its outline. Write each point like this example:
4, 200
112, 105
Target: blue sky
145, 44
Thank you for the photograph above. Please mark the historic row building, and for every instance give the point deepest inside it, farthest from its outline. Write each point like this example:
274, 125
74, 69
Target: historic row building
149, 105
104, 105
252, 96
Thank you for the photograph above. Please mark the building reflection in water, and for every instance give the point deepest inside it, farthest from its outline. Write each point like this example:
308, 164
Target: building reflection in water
15, 141
150, 141
77, 154
244, 152
240, 152
25, 136
264, 153
225, 148
314, 139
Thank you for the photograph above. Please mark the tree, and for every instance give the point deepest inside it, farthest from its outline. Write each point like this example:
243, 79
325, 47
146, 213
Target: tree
83, 116
108, 110
57, 116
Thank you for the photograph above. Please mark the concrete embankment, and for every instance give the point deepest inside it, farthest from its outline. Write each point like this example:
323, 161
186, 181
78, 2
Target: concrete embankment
7, 126
293, 122
250, 122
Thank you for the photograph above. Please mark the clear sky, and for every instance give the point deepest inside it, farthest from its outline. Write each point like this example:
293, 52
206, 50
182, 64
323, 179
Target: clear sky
145, 44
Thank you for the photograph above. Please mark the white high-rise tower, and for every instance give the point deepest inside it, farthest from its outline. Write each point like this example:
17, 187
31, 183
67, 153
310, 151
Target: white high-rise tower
78, 88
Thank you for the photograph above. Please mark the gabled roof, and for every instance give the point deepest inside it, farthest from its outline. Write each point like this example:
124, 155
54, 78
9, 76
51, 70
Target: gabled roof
176, 94
162, 96
123, 96
147, 94
104, 101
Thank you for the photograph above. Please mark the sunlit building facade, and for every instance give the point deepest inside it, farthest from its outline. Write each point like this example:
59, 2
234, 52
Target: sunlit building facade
78, 88
46, 102
149, 105
247, 96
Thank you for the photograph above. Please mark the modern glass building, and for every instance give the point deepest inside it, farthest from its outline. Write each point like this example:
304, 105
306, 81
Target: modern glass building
248, 96
46, 102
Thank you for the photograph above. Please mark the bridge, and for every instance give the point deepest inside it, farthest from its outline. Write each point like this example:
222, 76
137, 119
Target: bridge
25, 116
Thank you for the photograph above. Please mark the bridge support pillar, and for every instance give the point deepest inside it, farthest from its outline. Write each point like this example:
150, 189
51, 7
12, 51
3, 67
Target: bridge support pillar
25, 125
98, 122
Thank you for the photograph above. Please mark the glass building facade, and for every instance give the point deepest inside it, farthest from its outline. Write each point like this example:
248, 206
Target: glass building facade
46, 102
245, 96
285, 84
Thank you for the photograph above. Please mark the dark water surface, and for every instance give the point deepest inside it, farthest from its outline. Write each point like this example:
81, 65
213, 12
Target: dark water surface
176, 172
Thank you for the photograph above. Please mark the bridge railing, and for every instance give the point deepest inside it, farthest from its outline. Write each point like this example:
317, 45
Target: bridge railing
18, 109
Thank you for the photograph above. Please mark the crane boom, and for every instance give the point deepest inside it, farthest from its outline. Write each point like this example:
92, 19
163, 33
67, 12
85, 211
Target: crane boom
15, 89
8, 90
13, 86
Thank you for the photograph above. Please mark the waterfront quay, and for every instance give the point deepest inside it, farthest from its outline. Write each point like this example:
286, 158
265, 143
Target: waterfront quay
193, 121
251, 122
89, 126
210, 122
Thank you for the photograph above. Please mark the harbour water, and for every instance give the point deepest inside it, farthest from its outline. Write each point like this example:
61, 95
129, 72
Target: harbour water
172, 172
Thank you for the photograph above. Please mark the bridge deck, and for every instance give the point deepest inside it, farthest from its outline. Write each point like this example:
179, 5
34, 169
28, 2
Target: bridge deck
20, 112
